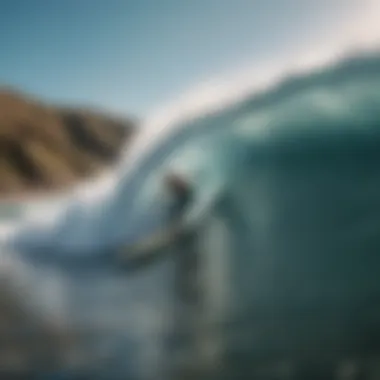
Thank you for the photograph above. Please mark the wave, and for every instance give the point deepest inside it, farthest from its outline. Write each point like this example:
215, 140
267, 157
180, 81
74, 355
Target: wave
334, 99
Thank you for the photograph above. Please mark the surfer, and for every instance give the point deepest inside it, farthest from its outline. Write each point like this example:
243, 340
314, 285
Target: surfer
180, 241
153, 246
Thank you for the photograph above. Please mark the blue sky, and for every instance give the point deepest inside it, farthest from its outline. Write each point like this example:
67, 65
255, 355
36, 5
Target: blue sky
131, 55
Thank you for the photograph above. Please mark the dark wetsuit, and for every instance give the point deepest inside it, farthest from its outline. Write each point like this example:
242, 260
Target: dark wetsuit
188, 299
181, 244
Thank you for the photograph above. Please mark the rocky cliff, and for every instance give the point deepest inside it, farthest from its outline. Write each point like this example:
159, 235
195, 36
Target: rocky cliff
46, 148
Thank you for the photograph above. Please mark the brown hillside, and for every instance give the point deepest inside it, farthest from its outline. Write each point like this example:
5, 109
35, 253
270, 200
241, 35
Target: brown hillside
49, 148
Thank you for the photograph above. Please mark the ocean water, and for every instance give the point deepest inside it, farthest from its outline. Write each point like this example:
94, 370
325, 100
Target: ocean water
287, 207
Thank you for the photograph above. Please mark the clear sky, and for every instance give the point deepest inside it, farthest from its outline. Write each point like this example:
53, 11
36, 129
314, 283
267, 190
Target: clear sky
132, 55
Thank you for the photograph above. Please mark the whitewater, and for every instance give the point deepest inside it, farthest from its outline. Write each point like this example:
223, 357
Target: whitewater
59, 254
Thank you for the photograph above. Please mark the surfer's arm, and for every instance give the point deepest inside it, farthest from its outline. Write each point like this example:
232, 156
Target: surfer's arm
151, 248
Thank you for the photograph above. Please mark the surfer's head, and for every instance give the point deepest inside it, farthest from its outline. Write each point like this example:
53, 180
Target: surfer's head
177, 184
